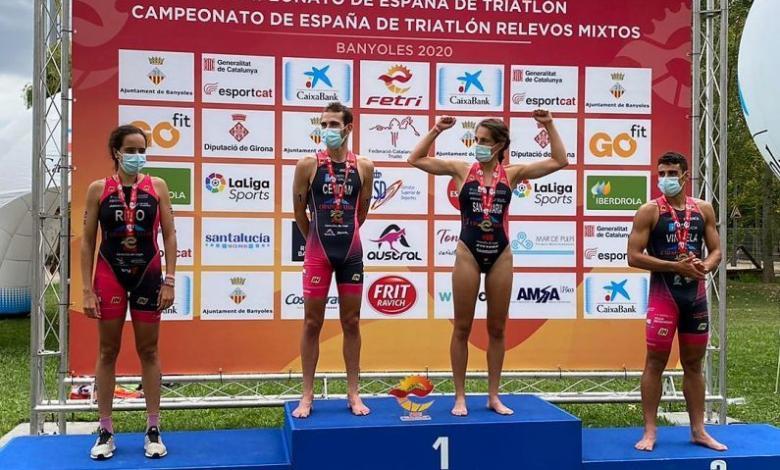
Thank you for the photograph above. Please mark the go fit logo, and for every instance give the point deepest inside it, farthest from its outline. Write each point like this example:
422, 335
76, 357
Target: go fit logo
392, 295
627, 141
623, 145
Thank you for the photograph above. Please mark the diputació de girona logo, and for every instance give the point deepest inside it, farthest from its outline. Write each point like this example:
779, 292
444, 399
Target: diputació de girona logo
405, 393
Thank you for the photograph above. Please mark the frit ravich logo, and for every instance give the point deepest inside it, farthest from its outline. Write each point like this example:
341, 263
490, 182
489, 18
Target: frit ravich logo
215, 183
396, 77
382, 192
239, 131
395, 126
392, 295
391, 235
156, 76
209, 64
317, 75
238, 295
617, 89
468, 138
615, 290
523, 189
469, 81
405, 393
543, 137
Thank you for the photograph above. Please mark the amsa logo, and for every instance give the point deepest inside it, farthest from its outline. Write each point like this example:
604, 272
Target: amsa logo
542, 295
392, 295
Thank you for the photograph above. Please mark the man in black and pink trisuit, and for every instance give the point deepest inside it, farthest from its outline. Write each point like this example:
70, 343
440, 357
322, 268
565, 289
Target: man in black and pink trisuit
674, 229
335, 186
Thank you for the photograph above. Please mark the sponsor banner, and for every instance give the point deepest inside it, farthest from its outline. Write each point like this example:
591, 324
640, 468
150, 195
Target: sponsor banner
469, 87
446, 235
395, 296
180, 180
394, 85
293, 243
606, 244
238, 133
237, 296
442, 295
390, 137
543, 244
400, 191
185, 244
237, 242
449, 204
237, 188
617, 142
301, 135
615, 192
316, 82
243, 79
292, 298
544, 296
543, 86
170, 132
616, 296
182, 304
613, 90
395, 243
530, 141
554, 194
156, 75
457, 143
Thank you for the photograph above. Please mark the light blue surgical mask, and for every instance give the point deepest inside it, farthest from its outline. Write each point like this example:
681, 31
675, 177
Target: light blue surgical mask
132, 163
332, 138
670, 185
483, 153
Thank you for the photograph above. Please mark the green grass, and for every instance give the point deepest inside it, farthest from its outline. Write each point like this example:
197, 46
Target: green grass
753, 334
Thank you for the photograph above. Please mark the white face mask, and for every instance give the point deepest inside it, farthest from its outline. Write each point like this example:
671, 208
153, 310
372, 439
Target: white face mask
483, 153
132, 163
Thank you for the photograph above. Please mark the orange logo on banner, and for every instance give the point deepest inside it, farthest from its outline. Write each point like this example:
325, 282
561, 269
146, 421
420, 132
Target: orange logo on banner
165, 134
603, 145
417, 386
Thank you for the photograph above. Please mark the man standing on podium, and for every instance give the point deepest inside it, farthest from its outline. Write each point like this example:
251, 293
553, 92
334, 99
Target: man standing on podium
336, 186
673, 230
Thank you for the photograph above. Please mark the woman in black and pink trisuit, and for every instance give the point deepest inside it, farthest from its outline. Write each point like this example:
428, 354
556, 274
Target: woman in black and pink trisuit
130, 209
484, 192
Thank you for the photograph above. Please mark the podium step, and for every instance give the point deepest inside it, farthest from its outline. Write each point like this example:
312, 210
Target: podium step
539, 436
751, 447
245, 449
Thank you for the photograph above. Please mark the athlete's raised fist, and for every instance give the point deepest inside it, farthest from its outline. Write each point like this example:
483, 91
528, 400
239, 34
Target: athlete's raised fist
445, 122
543, 116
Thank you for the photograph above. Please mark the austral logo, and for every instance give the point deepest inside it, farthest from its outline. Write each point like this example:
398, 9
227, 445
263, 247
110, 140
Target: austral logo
392, 238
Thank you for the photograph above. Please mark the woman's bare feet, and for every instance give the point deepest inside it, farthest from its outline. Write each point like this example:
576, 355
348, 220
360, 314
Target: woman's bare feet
460, 408
496, 405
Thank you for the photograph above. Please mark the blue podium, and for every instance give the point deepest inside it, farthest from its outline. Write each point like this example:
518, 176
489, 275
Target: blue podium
538, 436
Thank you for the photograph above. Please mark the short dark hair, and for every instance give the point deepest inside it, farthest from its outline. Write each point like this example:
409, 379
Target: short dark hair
674, 158
118, 137
499, 132
336, 107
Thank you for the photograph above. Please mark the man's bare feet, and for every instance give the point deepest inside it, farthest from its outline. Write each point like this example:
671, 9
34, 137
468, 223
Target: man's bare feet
356, 406
647, 442
304, 408
460, 407
703, 439
496, 405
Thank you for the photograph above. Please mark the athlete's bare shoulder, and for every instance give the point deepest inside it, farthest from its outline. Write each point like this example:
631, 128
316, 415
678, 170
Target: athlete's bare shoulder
365, 162
96, 187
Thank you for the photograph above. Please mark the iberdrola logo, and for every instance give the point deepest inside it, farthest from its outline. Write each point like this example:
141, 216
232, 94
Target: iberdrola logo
419, 387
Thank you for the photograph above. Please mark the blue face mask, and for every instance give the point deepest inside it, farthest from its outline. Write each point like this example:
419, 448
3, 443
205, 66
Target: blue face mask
132, 163
669, 185
483, 153
332, 138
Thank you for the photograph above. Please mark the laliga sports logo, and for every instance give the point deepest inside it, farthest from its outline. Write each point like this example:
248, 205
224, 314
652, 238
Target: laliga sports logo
215, 183
392, 295
419, 387
523, 189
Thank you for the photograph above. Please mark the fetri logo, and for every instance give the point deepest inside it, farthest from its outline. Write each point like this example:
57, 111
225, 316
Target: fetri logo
416, 386
392, 295
396, 77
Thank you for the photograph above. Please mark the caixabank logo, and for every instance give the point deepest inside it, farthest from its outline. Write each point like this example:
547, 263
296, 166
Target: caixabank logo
317, 82
470, 87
